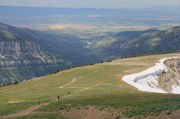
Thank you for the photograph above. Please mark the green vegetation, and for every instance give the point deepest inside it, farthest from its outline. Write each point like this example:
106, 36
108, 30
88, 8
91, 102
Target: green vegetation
9, 75
96, 85
42, 116
118, 117
6, 108
54, 72
137, 104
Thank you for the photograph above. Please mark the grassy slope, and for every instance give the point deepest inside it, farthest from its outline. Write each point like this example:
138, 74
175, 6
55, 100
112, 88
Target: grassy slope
42, 116
98, 84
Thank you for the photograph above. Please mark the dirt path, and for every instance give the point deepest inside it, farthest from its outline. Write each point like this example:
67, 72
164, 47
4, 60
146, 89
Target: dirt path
14, 101
73, 80
25, 111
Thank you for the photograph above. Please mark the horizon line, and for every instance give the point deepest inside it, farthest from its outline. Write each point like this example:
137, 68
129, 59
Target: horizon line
90, 7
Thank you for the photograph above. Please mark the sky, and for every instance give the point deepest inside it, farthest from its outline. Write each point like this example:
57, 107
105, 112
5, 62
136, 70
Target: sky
93, 3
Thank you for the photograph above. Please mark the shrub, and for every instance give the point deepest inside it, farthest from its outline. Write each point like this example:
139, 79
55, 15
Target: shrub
54, 72
118, 117
16, 82
168, 113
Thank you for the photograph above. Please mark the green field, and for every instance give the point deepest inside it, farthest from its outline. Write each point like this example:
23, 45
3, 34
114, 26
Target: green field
95, 87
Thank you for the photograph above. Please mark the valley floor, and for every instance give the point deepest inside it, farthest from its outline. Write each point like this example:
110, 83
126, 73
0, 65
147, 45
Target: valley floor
90, 92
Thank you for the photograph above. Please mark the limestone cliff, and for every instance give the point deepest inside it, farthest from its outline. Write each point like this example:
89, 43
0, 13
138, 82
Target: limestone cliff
20, 52
21, 58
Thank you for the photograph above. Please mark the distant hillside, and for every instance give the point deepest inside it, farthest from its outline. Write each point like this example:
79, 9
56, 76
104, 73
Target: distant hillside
133, 42
21, 58
67, 45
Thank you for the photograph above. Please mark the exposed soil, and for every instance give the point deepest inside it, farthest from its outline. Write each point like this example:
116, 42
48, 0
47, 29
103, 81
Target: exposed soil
164, 115
25, 112
88, 112
93, 112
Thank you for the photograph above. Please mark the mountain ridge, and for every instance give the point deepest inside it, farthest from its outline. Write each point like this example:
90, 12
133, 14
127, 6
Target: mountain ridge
27, 47
143, 41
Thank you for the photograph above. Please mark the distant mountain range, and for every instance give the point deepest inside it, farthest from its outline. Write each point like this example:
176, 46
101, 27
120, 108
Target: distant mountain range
26, 53
134, 42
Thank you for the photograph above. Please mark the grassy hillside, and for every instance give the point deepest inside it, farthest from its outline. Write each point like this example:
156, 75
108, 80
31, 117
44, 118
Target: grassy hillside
94, 91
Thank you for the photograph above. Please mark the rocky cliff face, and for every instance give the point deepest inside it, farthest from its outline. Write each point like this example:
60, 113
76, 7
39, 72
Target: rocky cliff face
172, 77
17, 47
21, 58
20, 53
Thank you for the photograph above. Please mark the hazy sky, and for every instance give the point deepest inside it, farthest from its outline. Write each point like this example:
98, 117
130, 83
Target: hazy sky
94, 3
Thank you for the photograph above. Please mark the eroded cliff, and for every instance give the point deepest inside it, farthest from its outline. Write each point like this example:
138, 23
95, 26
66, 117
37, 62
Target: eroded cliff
22, 59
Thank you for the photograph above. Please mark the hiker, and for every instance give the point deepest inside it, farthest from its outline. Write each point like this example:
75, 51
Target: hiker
68, 93
58, 97
39, 102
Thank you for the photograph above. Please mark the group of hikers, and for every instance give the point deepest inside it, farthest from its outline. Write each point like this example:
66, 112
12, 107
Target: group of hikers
56, 99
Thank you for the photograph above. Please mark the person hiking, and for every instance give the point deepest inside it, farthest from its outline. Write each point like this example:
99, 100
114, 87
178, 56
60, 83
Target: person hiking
58, 97
39, 102
68, 93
